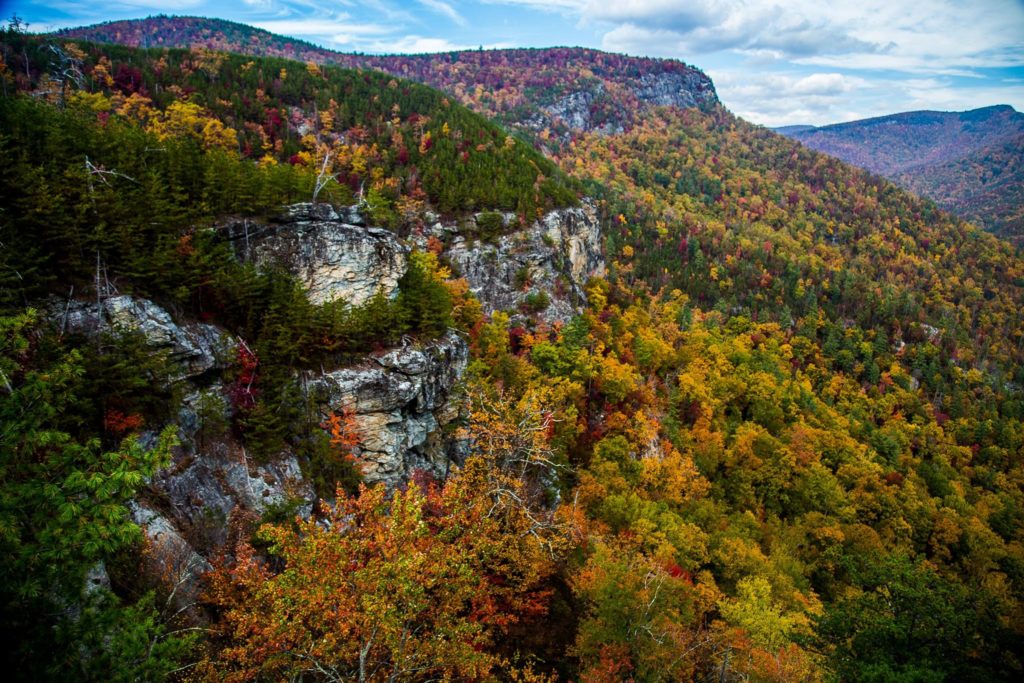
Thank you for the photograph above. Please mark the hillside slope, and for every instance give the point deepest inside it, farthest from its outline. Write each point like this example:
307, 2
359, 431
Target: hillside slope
985, 186
968, 162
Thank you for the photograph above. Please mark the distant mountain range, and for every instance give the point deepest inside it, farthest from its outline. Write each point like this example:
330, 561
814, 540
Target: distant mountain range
971, 163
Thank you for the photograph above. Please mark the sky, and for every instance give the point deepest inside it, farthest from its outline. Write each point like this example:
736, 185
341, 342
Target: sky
774, 62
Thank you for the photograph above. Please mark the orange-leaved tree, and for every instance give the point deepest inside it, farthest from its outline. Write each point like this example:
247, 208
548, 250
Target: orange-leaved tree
416, 586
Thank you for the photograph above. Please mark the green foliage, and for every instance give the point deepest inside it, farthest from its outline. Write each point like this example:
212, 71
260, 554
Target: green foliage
490, 225
537, 302
62, 512
327, 472
410, 134
908, 623
423, 301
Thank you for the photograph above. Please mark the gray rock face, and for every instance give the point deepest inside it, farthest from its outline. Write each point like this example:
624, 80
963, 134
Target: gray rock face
555, 256
677, 87
690, 89
202, 489
197, 347
574, 110
170, 556
401, 401
334, 255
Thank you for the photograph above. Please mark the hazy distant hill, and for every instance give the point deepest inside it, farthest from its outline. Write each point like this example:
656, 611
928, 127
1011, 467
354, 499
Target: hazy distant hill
986, 186
968, 162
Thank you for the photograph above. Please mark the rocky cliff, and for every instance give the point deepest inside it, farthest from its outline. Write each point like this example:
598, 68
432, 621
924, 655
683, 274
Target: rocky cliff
540, 270
402, 401
195, 348
333, 254
676, 89
405, 402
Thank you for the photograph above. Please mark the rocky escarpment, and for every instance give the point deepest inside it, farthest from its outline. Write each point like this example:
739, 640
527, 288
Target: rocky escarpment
335, 255
676, 89
402, 402
194, 348
541, 269
405, 402
577, 110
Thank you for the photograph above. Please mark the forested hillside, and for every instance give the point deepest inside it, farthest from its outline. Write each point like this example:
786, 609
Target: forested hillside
986, 187
967, 162
782, 440
548, 91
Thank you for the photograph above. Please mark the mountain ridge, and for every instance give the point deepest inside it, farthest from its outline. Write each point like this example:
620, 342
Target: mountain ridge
958, 159
593, 90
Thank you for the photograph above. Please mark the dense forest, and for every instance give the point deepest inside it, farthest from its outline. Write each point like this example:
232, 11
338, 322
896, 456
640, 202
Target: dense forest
781, 441
967, 162
984, 186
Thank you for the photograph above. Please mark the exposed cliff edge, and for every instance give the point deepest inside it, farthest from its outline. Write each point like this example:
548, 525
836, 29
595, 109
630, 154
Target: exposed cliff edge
194, 347
405, 402
402, 400
333, 254
539, 270
588, 108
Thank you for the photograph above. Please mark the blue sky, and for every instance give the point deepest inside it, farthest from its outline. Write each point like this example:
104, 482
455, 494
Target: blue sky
774, 62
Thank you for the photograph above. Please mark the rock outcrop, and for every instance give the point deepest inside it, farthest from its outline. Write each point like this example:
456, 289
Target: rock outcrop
335, 255
401, 401
681, 88
195, 347
405, 401
676, 89
576, 110
552, 260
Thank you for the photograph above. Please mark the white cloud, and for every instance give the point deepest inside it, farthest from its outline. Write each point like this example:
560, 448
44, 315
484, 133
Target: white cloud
576, 5
712, 25
444, 9
413, 44
879, 34
774, 99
